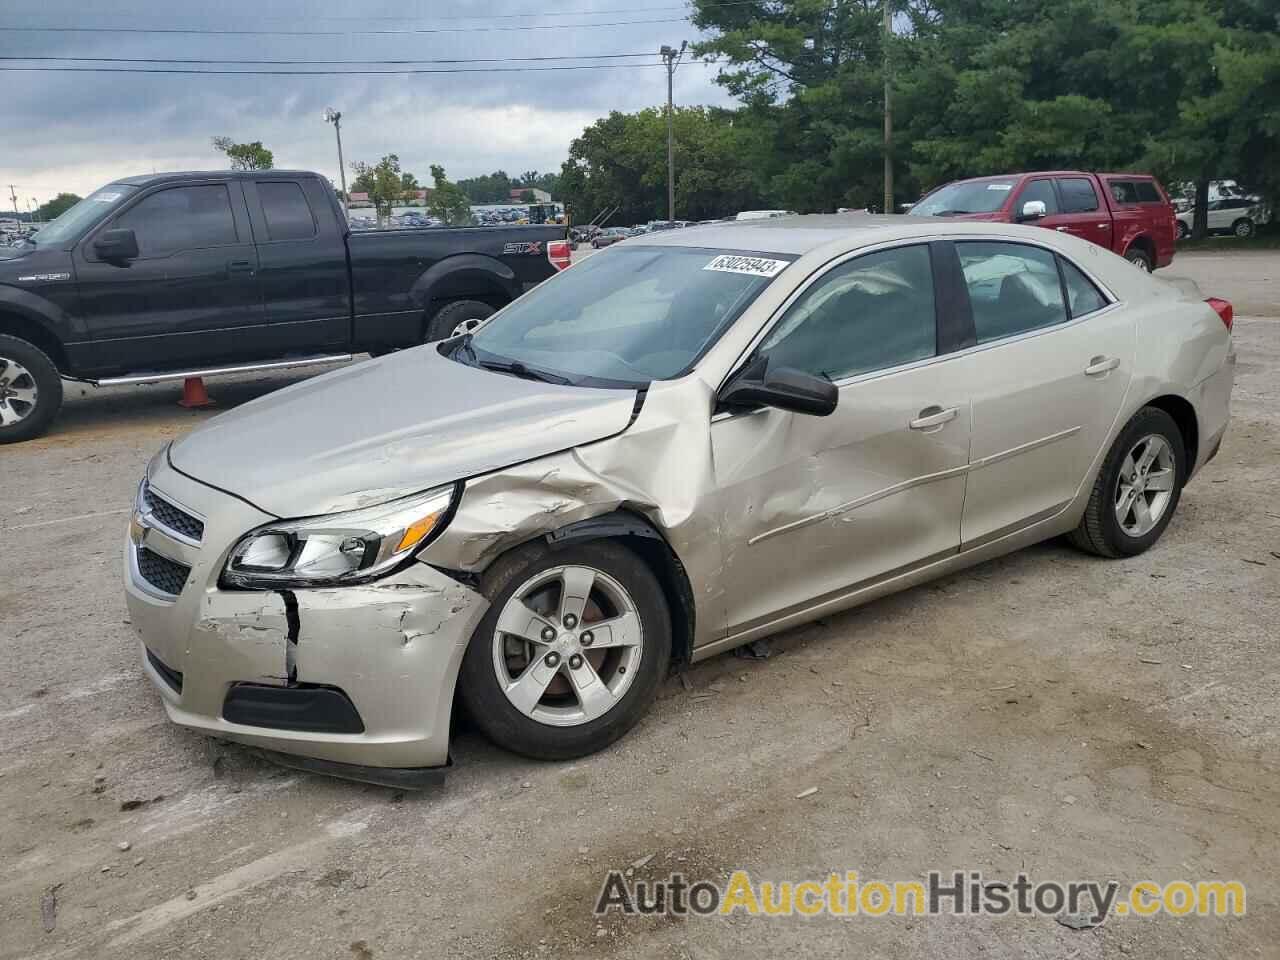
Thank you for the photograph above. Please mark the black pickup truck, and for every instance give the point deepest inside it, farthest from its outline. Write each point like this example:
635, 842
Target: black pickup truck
183, 274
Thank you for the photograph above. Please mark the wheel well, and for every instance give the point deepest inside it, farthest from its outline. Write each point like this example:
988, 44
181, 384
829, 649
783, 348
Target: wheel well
16, 325
467, 285
644, 539
1144, 244
1184, 415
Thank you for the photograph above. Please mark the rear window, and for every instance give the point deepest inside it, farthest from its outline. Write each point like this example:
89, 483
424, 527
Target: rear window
1078, 195
1147, 192
286, 209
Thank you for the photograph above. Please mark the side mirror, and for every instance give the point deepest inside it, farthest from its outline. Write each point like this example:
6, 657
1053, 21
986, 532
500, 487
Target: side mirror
783, 387
116, 245
1033, 210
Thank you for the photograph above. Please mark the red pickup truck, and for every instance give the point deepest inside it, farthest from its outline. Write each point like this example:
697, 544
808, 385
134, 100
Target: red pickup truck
1128, 213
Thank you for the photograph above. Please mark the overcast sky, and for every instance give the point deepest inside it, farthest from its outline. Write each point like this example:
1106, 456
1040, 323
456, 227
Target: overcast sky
76, 131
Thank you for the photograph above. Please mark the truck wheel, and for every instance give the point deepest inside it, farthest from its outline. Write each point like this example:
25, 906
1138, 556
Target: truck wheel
1243, 228
30, 390
1139, 258
459, 316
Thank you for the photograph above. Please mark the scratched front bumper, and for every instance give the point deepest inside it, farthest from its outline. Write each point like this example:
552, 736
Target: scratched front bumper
393, 646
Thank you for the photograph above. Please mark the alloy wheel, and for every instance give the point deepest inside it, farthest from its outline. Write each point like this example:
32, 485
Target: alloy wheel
466, 326
18, 392
567, 645
1145, 485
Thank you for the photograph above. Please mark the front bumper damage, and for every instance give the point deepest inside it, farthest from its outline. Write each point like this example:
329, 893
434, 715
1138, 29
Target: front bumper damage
355, 681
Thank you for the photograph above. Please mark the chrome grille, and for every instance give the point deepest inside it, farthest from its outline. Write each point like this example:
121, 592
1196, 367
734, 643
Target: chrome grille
172, 516
167, 576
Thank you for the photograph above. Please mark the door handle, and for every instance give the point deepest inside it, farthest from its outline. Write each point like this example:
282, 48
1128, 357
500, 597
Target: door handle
1062, 229
1100, 365
1104, 226
933, 417
240, 266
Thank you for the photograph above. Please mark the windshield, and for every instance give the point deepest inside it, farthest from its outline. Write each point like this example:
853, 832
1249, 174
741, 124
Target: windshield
973, 196
623, 318
83, 215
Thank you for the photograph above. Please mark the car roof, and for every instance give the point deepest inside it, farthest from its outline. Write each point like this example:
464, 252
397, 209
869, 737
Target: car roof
144, 180
787, 235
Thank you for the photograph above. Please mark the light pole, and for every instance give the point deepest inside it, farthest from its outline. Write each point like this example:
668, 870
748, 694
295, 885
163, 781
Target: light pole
335, 117
671, 56
888, 110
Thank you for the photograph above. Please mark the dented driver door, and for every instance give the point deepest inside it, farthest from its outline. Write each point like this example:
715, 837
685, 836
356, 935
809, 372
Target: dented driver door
814, 508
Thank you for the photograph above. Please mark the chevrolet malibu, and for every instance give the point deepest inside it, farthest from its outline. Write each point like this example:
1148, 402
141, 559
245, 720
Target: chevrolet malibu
679, 445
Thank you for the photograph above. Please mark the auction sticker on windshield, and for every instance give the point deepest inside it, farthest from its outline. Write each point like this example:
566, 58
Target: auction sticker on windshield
754, 266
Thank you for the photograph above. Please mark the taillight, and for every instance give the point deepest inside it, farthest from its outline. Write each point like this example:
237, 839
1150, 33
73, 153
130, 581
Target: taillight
1223, 309
560, 254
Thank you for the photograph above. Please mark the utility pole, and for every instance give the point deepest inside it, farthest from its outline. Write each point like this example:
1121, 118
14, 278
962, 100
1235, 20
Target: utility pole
888, 111
671, 57
335, 117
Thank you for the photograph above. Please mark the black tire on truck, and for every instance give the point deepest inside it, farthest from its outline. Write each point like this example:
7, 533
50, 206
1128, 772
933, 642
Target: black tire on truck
30, 390
450, 318
1140, 259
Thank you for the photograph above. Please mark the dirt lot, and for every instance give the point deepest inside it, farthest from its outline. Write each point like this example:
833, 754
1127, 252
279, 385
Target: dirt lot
1051, 712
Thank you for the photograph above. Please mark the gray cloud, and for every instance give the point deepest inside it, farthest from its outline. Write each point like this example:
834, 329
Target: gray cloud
76, 131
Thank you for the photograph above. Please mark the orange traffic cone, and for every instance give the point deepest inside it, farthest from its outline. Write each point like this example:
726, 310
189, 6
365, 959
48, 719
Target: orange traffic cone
194, 394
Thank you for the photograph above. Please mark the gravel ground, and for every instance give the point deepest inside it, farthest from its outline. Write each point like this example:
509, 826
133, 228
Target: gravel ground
1047, 712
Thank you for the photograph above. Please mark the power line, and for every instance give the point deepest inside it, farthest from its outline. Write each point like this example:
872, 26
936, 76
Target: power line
489, 16
338, 73
201, 31
276, 63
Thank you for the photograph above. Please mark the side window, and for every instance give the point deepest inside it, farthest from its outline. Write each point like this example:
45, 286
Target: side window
1041, 190
181, 218
1123, 191
1078, 195
1147, 192
1013, 288
873, 312
285, 207
1082, 296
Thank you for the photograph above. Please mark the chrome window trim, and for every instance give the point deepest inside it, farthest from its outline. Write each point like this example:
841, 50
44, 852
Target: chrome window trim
823, 269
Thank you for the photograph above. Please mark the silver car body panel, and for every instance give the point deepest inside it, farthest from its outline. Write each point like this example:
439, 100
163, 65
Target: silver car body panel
775, 518
388, 428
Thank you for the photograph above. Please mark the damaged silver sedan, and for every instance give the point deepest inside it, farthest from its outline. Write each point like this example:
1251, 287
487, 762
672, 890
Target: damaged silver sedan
679, 445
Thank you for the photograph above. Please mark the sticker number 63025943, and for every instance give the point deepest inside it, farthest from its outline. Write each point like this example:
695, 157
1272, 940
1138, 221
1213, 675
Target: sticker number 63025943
754, 266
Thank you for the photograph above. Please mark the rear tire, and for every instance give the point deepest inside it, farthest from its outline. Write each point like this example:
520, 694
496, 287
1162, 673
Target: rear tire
1102, 530
30, 390
453, 316
592, 687
1183, 231
1243, 228
1139, 258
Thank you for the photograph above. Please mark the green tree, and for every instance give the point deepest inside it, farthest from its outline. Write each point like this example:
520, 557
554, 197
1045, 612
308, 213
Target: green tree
57, 206
621, 160
491, 188
448, 201
384, 182
245, 156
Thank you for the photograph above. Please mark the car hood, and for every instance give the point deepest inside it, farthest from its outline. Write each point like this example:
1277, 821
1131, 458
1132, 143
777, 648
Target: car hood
17, 253
387, 428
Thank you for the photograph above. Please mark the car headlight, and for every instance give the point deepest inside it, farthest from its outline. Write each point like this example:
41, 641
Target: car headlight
340, 548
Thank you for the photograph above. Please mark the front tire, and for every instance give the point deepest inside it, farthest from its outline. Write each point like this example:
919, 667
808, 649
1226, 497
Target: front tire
1137, 489
1243, 228
553, 675
457, 316
30, 390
